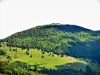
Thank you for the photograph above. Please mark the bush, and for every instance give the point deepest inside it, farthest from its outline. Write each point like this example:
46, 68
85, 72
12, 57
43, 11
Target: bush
52, 55
62, 55
27, 53
2, 52
43, 52
9, 57
42, 56
31, 56
15, 50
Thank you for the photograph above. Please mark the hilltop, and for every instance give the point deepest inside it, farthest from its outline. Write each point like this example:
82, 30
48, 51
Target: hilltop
57, 26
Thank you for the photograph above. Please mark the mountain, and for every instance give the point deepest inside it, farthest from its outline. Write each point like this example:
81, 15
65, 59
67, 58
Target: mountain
52, 49
61, 39
53, 26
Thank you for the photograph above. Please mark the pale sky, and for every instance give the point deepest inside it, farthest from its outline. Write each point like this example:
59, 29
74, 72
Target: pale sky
18, 15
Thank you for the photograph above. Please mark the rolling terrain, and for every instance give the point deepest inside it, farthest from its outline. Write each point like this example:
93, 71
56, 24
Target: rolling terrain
53, 49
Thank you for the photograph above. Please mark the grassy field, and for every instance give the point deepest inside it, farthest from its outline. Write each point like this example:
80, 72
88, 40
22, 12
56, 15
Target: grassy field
48, 60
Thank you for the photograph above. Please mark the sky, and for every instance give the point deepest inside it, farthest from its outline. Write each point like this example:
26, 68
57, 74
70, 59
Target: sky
18, 15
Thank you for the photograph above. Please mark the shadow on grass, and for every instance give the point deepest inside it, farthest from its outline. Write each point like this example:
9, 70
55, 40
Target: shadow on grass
77, 68
75, 65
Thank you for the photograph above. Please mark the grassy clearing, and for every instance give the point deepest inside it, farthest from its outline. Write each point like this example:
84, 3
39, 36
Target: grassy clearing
44, 60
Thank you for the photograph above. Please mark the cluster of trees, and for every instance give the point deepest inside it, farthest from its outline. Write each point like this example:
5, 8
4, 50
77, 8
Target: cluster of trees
88, 49
2, 52
68, 71
21, 68
16, 68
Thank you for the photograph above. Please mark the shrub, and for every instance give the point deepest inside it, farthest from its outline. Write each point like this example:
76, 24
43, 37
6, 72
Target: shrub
27, 53
42, 56
2, 52
31, 56
43, 52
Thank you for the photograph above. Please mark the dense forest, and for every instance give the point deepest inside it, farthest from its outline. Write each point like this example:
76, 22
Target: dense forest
61, 39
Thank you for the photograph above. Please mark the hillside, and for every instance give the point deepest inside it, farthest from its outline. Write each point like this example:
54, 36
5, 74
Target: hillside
55, 27
36, 62
58, 39
62, 40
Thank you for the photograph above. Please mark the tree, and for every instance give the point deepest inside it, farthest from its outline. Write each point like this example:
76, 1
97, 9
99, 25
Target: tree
62, 55
42, 56
49, 53
81, 70
31, 56
52, 55
9, 57
43, 52
88, 70
27, 53
15, 50
2, 52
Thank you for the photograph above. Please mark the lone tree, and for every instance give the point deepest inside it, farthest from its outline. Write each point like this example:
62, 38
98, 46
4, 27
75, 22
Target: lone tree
52, 55
42, 56
27, 53
31, 56
43, 52
62, 55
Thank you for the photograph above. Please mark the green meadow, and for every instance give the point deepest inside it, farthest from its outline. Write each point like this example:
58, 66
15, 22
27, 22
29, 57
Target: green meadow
44, 59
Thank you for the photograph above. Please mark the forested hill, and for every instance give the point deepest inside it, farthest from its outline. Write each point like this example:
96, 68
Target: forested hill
58, 27
61, 39
66, 27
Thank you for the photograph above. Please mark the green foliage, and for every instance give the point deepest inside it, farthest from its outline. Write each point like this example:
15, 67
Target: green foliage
36, 62
89, 49
37, 57
58, 39
27, 53
89, 70
16, 68
31, 56
42, 56
9, 57
2, 52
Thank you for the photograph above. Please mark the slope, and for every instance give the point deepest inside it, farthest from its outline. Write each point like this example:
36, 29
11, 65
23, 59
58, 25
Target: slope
59, 39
